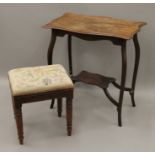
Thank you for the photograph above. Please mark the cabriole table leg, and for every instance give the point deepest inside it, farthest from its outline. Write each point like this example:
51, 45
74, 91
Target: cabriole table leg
70, 54
51, 47
50, 55
123, 79
137, 58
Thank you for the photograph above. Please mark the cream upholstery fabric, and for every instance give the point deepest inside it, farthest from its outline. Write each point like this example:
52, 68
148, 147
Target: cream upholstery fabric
38, 79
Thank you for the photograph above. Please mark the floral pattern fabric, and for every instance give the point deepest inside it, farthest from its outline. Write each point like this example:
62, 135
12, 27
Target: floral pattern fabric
39, 79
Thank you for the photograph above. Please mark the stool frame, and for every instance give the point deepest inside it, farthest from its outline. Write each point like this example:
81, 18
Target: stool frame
19, 100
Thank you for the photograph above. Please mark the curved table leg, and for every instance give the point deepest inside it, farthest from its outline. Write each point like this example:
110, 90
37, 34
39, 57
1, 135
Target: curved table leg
123, 79
70, 54
50, 54
137, 57
51, 47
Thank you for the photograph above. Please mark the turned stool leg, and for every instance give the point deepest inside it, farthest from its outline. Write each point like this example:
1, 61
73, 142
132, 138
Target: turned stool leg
69, 115
59, 107
19, 121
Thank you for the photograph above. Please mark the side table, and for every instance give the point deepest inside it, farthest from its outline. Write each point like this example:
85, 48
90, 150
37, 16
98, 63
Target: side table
94, 28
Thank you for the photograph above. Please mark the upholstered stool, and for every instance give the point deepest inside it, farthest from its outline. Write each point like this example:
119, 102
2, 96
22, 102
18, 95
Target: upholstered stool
37, 84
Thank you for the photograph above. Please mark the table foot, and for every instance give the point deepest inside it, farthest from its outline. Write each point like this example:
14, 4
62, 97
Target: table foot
52, 104
132, 98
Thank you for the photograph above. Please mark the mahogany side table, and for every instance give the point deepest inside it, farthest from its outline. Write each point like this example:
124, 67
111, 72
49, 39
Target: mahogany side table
93, 28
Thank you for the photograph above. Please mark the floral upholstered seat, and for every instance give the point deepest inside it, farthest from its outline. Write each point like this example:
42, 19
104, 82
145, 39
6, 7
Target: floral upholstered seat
31, 80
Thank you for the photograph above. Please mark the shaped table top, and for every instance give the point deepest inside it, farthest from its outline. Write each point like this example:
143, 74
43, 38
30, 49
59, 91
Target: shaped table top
96, 25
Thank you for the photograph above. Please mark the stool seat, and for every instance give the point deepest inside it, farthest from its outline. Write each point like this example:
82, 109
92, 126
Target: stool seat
30, 80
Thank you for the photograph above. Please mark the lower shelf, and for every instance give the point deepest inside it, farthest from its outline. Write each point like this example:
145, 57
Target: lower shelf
93, 79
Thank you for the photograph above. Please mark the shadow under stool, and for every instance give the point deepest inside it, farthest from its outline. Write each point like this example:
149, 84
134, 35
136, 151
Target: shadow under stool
32, 84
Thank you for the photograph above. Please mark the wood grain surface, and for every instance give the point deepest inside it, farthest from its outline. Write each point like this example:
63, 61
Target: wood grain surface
96, 25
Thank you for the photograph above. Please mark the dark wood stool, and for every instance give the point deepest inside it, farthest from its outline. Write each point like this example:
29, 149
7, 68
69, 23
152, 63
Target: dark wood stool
33, 84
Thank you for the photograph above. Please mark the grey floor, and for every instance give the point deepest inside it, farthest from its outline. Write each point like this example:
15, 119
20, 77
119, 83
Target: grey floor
94, 124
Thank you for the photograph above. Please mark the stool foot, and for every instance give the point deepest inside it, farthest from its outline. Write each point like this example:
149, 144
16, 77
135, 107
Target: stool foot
69, 130
69, 116
19, 121
21, 141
